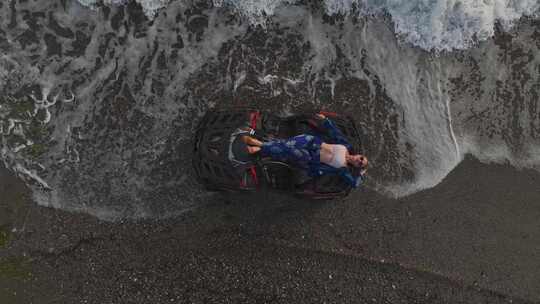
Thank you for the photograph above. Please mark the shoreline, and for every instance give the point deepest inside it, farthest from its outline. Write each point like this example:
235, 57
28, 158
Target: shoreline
444, 245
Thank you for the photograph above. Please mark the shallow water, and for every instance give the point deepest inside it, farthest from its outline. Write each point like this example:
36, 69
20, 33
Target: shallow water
100, 104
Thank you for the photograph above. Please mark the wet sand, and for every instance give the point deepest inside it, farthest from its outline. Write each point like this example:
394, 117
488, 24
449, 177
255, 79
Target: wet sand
474, 238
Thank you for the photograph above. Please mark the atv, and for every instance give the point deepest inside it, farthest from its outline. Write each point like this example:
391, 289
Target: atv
222, 163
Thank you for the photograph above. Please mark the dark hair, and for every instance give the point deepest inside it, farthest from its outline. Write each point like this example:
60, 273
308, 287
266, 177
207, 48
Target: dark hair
361, 165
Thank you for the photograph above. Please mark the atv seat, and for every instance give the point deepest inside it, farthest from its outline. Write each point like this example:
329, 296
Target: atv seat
277, 174
284, 176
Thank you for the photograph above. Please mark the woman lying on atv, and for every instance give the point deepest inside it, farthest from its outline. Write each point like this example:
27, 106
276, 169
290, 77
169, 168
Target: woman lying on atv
309, 152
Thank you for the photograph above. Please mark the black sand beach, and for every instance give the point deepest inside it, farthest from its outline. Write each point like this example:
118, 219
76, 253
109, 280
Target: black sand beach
472, 239
98, 108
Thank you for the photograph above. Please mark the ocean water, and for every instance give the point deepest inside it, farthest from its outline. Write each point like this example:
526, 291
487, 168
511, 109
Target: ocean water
441, 25
100, 98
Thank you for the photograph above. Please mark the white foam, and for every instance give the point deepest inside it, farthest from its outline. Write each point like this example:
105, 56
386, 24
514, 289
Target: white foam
31, 174
256, 11
440, 25
150, 7
446, 24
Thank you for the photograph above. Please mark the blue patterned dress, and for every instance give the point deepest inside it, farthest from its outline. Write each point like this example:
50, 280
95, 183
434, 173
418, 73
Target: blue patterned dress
304, 151
300, 150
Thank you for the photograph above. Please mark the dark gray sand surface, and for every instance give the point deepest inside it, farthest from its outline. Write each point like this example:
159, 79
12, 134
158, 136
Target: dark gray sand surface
475, 238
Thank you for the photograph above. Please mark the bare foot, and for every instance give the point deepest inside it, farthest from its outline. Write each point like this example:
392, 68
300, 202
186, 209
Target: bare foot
253, 150
248, 140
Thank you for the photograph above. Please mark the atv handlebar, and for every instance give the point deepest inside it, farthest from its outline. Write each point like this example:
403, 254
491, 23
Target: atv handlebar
328, 114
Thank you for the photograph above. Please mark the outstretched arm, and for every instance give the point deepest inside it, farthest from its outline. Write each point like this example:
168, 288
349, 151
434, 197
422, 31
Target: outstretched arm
333, 131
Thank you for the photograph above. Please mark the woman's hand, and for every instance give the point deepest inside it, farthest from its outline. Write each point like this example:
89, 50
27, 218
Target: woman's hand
320, 116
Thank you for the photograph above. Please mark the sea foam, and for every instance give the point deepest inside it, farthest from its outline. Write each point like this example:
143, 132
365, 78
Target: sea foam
444, 24
150, 7
440, 25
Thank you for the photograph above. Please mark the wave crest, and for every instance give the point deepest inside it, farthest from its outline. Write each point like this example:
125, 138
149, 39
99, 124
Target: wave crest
439, 25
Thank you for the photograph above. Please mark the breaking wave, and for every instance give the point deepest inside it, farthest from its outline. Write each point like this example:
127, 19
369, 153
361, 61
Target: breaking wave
150, 7
440, 25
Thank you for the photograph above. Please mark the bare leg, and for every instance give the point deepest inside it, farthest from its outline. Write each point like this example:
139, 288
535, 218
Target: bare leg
251, 141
